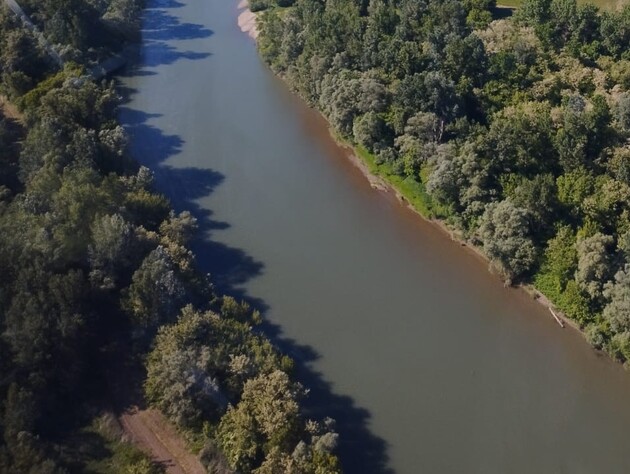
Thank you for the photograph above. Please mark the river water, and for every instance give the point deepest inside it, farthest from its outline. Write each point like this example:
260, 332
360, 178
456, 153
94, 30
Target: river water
426, 361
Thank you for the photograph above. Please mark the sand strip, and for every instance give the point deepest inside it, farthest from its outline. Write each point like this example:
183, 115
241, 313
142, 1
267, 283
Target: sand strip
247, 20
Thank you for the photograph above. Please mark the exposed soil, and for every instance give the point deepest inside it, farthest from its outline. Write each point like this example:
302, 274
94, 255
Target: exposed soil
146, 427
153, 434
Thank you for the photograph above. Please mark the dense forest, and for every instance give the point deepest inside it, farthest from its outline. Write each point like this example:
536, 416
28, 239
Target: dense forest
97, 276
515, 131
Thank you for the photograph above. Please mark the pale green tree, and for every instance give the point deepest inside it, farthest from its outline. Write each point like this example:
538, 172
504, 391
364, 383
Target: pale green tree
504, 231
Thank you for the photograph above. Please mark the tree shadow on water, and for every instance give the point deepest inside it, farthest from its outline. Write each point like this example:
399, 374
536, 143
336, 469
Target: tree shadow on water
159, 25
360, 451
166, 4
160, 29
230, 268
159, 53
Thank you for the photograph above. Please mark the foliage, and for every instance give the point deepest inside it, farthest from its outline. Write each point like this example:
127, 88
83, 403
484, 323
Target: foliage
95, 263
211, 368
514, 130
503, 229
593, 263
617, 311
265, 425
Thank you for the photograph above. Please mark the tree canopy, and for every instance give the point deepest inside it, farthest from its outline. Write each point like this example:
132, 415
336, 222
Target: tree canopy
96, 266
514, 131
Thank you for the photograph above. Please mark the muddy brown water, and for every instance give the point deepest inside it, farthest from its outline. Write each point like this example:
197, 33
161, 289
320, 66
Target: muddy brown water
428, 363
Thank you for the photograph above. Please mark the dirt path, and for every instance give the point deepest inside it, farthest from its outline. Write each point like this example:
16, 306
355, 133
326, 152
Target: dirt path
146, 427
158, 438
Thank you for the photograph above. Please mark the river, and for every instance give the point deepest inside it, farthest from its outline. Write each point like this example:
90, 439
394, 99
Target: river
426, 361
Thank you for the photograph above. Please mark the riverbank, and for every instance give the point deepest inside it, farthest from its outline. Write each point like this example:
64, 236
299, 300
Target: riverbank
363, 294
410, 195
247, 20
415, 201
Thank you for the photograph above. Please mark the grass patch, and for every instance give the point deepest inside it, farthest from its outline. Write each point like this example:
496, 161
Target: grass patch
412, 190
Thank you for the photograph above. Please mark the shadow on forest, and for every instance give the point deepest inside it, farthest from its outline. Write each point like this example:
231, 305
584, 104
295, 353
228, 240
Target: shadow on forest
230, 268
500, 12
158, 28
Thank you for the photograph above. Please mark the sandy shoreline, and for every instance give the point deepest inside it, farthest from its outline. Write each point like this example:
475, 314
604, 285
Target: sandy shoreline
247, 24
247, 20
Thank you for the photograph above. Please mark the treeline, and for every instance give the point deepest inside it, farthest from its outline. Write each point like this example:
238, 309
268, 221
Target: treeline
86, 28
211, 374
515, 131
94, 263
80, 31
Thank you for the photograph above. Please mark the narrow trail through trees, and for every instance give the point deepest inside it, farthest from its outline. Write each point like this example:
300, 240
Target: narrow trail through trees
154, 435
145, 427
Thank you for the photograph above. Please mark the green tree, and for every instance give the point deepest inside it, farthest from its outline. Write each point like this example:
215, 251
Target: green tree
574, 187
617, 311
538, 196
504, 231
615, 31
371, 131
594, 265
479, 12
519, 140
156, 293
561, 258
536, 14
267, 417
111, 250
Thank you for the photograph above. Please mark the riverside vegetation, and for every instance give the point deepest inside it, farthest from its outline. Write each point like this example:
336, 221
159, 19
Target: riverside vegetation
604, 4
515, 131
95, 267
